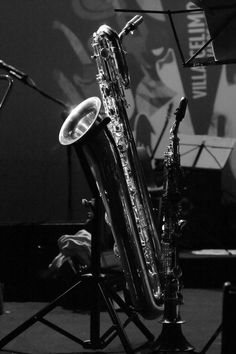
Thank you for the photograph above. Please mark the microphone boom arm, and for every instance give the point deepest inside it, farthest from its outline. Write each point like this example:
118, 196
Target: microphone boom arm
27, 80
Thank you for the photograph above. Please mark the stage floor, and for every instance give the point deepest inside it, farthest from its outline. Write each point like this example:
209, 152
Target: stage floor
202, 311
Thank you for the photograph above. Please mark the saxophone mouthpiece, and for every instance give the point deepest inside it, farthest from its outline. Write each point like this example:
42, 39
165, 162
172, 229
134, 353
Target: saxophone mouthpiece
131, 25
180, 111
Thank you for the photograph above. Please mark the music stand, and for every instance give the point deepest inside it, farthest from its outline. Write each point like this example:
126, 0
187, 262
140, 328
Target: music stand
222, 27
204, 151
220, 24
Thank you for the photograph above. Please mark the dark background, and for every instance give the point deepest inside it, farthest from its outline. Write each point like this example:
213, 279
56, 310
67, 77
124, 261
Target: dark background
34, 169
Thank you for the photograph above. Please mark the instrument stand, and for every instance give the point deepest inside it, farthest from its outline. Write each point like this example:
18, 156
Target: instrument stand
100, 290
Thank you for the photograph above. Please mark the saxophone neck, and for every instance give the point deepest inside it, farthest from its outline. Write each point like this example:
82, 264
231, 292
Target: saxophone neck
107, 45
174, 139
109, 53
131, 26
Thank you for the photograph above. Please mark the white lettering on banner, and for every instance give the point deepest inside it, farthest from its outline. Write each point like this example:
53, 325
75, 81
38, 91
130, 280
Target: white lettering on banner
198, 36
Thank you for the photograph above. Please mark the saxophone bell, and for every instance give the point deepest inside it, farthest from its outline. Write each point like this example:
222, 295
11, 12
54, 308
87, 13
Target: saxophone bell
79, 121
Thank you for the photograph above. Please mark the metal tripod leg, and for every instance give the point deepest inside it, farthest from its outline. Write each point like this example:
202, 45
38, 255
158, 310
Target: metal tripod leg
96, 341
38, 316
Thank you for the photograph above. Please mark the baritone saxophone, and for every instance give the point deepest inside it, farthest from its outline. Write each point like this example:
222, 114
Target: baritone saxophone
107, 143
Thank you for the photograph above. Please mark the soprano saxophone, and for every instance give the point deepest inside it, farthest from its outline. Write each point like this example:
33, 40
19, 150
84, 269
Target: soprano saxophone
110, 150
171, 199
171, 338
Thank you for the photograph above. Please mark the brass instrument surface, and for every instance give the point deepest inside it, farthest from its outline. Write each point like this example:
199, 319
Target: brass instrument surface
108, 146
113, 79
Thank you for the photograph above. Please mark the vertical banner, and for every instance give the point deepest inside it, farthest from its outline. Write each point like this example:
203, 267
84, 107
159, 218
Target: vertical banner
200, 82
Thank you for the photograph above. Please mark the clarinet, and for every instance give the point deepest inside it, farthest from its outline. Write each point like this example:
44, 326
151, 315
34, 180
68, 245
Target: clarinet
171, 338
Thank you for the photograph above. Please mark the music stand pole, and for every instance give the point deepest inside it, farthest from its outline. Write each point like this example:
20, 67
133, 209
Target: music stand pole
198, 154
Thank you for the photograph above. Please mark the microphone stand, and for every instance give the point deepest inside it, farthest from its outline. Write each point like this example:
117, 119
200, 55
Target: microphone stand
27, 80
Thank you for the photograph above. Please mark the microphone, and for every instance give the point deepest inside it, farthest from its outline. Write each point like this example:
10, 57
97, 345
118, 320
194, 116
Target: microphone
13, 71
131, 25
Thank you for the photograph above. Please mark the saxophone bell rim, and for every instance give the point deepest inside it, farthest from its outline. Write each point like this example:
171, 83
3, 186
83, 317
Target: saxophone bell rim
80, 120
